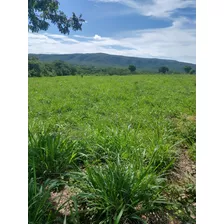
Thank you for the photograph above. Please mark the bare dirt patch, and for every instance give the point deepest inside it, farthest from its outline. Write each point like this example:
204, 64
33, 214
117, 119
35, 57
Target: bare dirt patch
183, 182
185, 169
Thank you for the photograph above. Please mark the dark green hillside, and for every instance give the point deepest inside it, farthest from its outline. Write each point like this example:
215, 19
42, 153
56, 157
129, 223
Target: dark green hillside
106, 60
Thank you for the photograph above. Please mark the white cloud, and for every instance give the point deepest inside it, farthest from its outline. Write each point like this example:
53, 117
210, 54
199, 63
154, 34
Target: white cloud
183, 22
61, 37
97, 37
156, 8
56, 36
176, 42
82, 37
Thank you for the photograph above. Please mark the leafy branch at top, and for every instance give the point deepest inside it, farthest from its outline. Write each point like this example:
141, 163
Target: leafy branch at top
43, 12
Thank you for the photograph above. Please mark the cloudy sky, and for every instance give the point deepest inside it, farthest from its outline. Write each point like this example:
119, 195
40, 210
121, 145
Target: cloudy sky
142, 28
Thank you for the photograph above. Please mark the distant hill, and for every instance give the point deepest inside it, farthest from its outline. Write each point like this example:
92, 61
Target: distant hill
106, 60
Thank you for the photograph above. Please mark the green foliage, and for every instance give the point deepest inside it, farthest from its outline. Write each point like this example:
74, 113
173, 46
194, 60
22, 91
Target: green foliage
184, 198
192, 71
34, 67
116, 140
187, 69
163, 69
102, 61
41, 12
118, 191
62, 68
40, 209
48, 70
37, 68
51, 154
132, 68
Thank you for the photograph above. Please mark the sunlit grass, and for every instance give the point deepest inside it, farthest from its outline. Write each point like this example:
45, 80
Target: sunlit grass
114, 138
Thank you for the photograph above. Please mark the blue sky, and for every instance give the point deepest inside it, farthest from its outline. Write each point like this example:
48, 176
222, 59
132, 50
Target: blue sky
141, 28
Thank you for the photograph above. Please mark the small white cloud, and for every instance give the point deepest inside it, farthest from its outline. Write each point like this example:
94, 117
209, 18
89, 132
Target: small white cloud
97, 37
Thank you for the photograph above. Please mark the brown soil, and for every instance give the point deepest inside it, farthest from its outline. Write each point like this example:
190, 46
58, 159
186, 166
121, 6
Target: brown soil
184, 173
185, 170
62, 200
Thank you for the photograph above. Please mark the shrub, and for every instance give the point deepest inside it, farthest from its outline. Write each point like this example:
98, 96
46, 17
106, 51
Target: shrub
51, 154
117, 192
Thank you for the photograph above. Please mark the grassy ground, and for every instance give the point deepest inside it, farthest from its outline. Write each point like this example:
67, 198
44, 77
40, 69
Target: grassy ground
115, 144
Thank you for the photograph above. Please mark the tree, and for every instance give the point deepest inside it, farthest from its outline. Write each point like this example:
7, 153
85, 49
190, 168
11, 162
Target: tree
41, 12
62, 68
163, 69
48, 69
34, 67
192, 71
187, 69
132, 68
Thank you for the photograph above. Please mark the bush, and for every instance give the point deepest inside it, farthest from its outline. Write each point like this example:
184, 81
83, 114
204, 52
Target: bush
39, 206
117, 192
34, 67
51, 154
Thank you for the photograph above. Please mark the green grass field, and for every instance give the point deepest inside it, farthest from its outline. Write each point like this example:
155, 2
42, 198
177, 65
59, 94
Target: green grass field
116, 143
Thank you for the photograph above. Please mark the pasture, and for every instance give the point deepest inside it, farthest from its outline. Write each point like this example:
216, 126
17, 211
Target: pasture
121, 147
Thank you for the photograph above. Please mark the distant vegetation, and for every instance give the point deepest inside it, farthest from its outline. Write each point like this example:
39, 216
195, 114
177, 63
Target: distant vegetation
36, 68
101, 61
39, 68
189, 70
163, 69
132, 68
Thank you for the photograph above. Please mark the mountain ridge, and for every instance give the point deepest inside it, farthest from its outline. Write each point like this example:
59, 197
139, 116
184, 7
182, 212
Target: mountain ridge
120, 61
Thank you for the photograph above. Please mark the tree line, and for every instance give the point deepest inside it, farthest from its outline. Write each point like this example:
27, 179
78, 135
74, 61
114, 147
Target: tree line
187, 69
37, 68
164, 69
